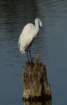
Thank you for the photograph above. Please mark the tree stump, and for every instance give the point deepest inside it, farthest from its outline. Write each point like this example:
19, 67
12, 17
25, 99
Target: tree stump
36, 86
47, 102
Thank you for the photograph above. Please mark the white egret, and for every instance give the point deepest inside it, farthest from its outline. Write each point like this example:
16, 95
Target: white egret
27, 35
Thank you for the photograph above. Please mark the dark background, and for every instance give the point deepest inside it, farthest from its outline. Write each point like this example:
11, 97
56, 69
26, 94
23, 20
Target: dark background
52, 42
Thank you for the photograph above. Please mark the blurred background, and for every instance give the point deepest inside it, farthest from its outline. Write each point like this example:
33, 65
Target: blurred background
51, 43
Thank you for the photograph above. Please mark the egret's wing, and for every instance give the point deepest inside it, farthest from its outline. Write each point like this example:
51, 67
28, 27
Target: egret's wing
28, 30
27, 35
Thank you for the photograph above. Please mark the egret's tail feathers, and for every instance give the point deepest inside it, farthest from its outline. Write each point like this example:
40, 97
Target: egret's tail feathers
22, 51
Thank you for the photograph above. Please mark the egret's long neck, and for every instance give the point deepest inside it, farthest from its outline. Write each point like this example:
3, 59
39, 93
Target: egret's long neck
36, 26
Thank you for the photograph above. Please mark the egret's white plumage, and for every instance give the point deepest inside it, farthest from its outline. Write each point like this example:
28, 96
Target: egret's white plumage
28, 33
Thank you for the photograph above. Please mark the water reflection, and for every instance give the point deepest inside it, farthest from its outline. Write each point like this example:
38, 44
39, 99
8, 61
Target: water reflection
46, 102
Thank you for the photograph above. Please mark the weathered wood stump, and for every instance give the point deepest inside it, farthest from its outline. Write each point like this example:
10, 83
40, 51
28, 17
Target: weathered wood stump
36, 86
47, 102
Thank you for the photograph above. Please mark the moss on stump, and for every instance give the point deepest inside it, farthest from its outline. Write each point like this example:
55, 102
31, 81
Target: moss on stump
36, 86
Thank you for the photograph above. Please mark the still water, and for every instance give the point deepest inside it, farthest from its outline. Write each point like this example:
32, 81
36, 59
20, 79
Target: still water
52, 43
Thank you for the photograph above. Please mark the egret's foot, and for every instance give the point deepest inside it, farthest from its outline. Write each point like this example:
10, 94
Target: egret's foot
30, 61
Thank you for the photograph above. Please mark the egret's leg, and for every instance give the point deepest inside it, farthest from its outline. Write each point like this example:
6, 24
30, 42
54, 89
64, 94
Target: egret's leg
30, 55
27, 56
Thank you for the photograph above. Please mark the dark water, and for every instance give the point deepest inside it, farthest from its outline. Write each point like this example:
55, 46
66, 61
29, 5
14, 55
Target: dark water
52, 42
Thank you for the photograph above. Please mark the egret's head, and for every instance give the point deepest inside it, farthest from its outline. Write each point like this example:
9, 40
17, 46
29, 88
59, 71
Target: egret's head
37, 20
40, 23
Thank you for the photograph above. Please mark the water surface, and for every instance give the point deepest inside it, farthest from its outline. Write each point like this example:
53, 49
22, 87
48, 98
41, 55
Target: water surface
52, 42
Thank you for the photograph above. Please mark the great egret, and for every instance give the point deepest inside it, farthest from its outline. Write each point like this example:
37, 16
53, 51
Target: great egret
27, 36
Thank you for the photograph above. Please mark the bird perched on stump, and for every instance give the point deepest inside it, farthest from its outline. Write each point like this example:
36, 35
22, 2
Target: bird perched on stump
27, 36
